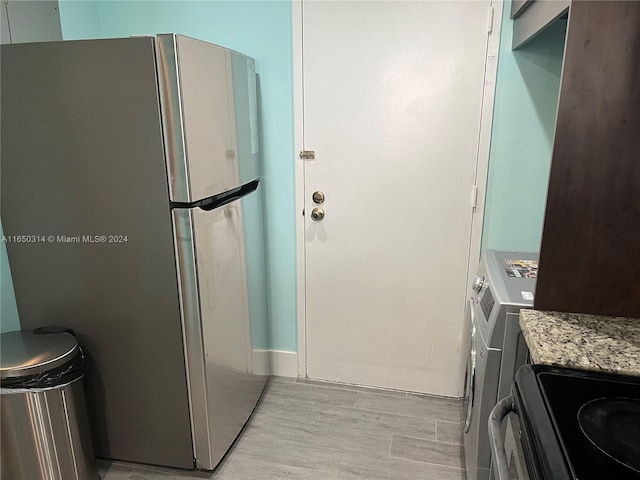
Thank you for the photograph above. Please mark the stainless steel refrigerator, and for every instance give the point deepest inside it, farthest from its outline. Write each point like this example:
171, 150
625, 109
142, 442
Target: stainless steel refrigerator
132, 213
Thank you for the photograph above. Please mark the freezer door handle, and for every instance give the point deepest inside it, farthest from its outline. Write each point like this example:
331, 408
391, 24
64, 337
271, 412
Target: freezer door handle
220, 199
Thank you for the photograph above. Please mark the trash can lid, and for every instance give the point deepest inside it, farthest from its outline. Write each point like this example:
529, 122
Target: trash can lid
25, 353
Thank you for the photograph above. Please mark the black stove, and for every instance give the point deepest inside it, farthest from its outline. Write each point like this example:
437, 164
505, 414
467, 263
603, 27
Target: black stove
578, 425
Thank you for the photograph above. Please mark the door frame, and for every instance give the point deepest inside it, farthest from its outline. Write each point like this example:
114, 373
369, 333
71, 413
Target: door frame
494, 22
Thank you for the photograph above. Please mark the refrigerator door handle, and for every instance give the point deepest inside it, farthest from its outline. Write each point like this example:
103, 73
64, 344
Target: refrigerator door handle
220, 199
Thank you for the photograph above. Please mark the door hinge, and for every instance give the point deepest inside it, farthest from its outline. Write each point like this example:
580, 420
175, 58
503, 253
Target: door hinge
490, 20
474, 196
307, 155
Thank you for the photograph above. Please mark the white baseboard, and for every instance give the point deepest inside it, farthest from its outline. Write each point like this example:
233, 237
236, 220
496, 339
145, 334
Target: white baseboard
275, 362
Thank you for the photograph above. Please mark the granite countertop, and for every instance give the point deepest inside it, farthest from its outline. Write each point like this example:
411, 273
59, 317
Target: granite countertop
586, 342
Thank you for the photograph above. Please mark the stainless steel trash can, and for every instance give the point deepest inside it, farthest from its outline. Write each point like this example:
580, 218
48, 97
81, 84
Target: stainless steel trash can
45, 428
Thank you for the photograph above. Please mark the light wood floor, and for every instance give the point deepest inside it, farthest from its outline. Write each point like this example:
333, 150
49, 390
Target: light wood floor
305, 430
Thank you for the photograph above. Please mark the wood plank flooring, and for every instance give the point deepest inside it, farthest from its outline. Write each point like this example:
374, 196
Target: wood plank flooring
307, 430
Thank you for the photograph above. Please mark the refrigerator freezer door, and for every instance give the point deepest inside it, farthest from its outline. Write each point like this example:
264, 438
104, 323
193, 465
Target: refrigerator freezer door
83, 173
210, 117
211, 251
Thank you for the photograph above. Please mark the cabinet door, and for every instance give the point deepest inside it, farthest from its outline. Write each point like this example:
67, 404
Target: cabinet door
590, 249
32, 21
4, 25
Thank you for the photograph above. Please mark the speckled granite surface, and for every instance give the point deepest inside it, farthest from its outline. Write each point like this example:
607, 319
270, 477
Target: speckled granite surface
586, 342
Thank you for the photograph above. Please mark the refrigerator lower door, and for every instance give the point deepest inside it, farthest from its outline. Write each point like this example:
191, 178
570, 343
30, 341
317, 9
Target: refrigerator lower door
223, 390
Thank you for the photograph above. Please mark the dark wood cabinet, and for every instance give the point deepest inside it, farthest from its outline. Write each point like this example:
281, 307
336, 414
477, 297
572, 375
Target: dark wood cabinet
590, 252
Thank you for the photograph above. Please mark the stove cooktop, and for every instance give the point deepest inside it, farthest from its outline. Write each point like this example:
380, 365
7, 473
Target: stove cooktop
579, 425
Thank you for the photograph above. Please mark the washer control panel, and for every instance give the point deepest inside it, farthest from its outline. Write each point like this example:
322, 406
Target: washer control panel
486, 303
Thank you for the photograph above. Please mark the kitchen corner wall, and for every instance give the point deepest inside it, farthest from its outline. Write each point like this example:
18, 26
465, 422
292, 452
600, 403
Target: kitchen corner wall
262, 30
27, 22
524, 115
522, 137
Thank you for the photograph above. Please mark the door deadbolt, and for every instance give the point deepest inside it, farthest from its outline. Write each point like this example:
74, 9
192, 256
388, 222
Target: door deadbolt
317, 214
318, 197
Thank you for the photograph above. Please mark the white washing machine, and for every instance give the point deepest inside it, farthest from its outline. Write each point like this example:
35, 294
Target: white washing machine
505, 283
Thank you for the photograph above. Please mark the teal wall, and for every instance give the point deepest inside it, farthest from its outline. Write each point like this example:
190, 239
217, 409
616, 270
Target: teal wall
8, 310
524, 118
262, 30
523, 123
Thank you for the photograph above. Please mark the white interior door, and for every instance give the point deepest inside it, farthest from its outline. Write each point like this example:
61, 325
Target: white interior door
392, 97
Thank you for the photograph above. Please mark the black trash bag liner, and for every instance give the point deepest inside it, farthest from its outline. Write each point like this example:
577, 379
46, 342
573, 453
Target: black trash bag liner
65, 373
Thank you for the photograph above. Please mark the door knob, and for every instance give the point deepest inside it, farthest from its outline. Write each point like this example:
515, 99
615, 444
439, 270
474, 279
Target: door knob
318, 197
317, 214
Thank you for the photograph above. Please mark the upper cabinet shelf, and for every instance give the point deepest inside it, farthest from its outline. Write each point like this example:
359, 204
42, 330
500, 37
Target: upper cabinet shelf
519, 6
533, 16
